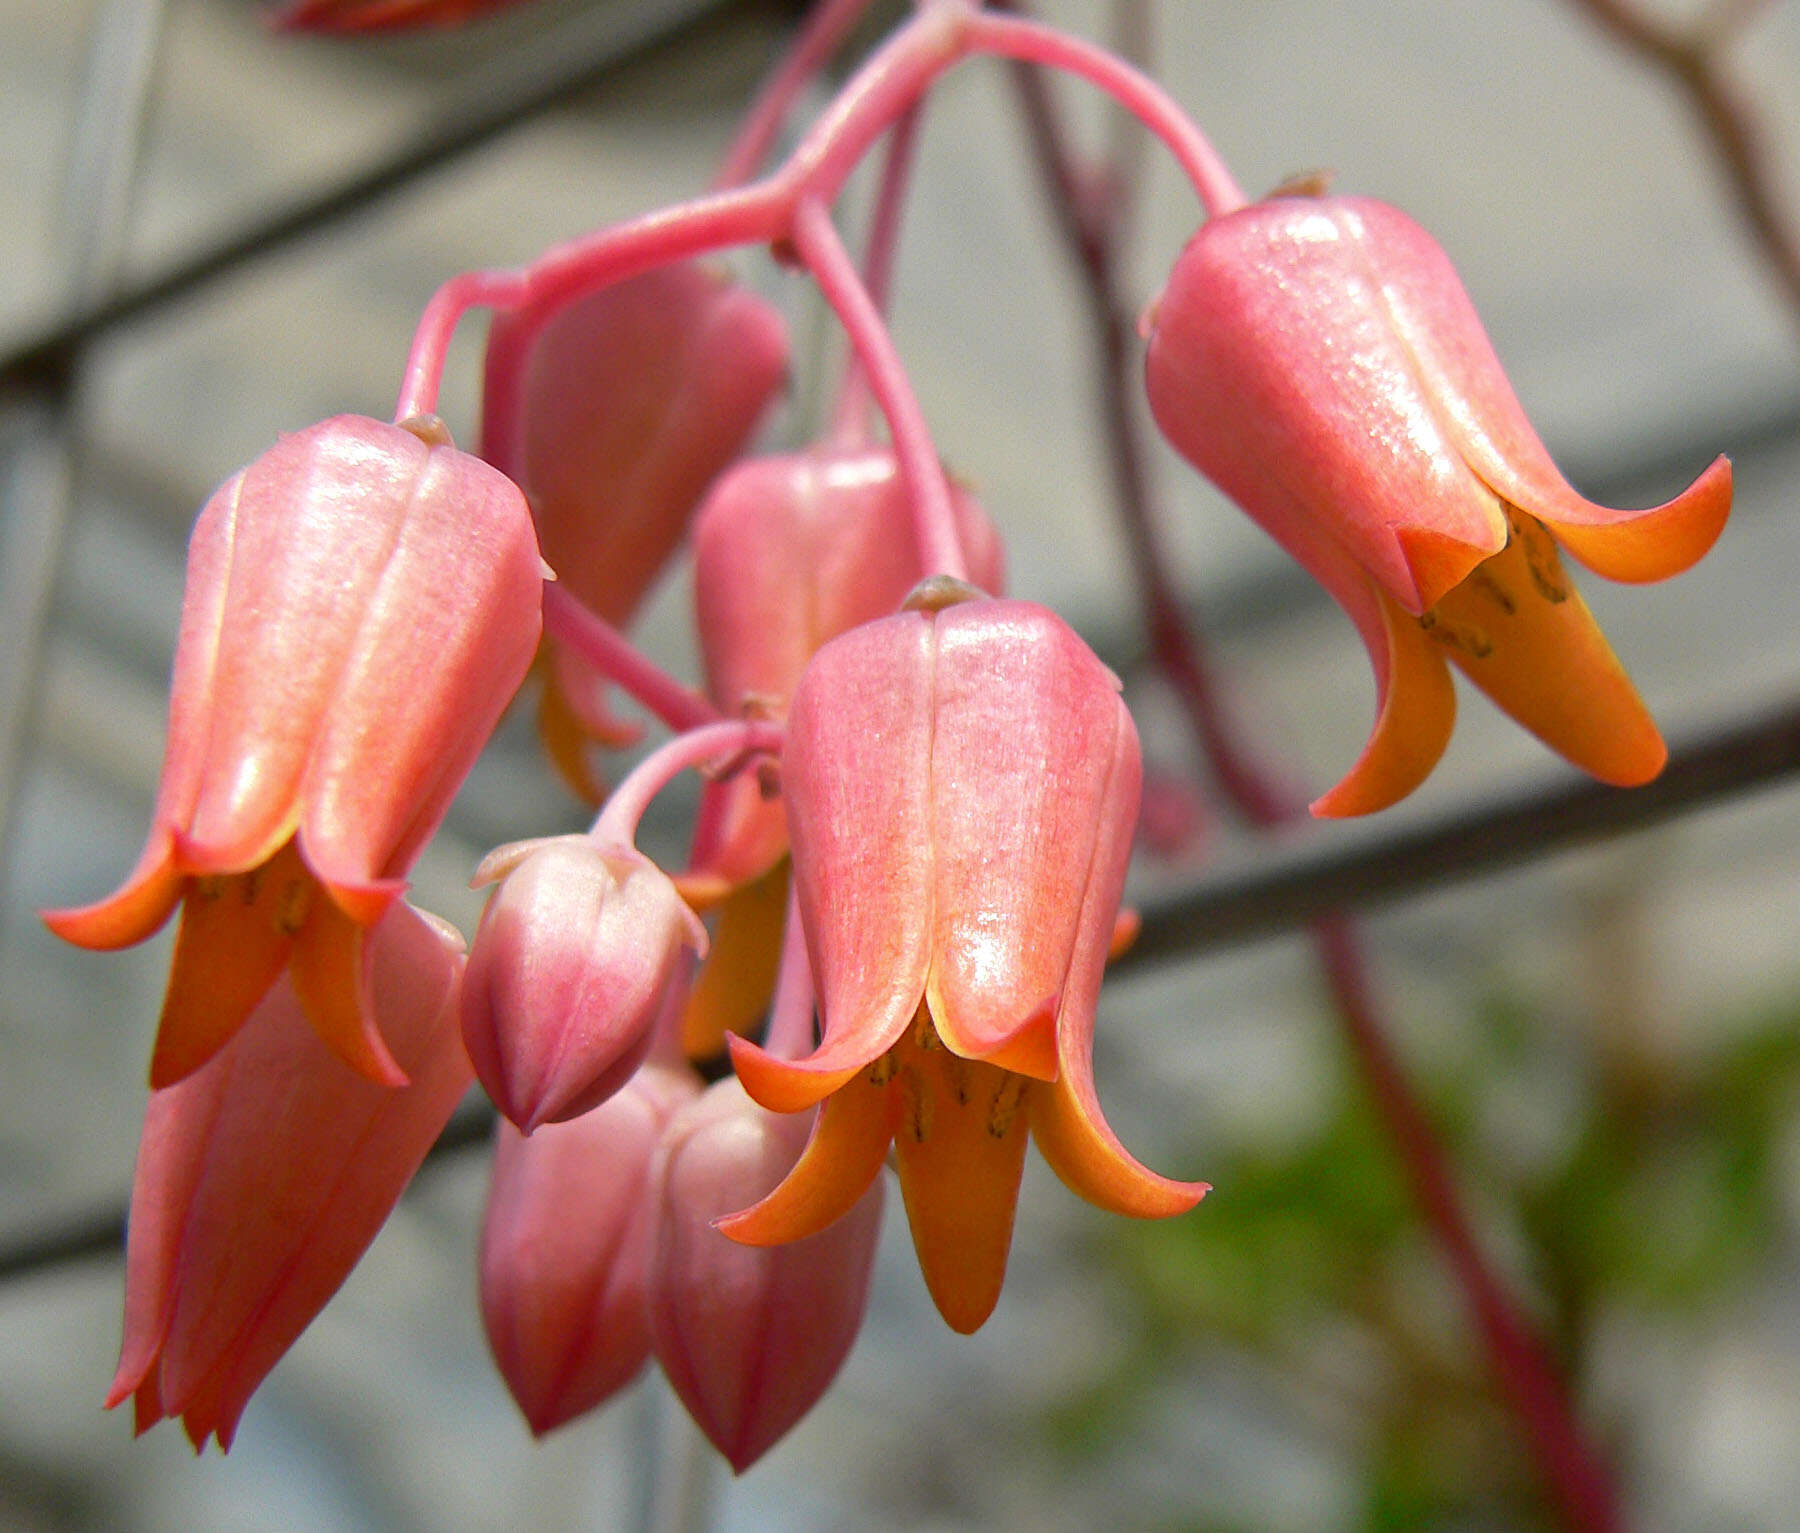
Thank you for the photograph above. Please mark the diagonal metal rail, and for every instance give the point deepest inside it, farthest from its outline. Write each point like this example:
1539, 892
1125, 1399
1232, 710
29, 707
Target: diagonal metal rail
1292, 890
559, 68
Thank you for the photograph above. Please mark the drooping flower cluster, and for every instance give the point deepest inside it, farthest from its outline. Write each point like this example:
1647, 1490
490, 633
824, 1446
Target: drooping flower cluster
920, 796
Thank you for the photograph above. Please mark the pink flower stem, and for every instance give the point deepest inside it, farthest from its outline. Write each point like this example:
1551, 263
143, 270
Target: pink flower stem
790, 1030
928, 490
1576, 1475
582, 265
849, 427
820, 36
572, 624
718, 746
431, 340
884, 90
1031, 42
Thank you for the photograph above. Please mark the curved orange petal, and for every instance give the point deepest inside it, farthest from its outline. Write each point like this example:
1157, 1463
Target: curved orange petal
235, 938
849, 1142
1028, 1049
960, 1149
1520, 631
139, 906
789, 1085
1086, 1155
1439, 561
1640, 546
1415, 709
327, 972
1066, 1120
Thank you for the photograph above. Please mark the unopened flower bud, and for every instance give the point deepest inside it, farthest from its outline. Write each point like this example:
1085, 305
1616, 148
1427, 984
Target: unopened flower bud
565, 1249
749, 1338
569, 969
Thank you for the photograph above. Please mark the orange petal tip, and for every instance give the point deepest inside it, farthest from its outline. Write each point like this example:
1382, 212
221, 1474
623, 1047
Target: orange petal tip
1415, 714
1637, 547
783, 1085
1438, 562
123, 918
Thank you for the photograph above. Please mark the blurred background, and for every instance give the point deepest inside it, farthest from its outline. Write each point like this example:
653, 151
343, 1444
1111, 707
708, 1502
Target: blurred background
1608, 1037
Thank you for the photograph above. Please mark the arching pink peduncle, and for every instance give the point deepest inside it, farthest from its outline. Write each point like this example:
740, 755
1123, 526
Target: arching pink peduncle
1014, 38
849, 426
821, 35
711, 744
431, 339
754, 215
615, 657
774, 209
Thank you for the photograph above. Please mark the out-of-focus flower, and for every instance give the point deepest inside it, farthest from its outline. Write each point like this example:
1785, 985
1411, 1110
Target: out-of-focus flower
962, 788
264, 1176
614, 411
749, 1338
383, 15
789, 552
1320, 361
569, 971
362, 601
565, 1249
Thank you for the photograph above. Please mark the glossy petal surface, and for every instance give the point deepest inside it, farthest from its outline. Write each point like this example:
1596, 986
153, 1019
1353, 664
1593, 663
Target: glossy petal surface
790, 552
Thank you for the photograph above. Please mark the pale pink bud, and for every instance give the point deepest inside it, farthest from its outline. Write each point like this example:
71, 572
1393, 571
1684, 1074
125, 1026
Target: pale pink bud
749, 1338
264, 1176
569, 970
565, 1249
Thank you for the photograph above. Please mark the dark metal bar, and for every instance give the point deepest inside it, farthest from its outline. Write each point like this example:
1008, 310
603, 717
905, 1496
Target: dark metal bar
549, 77
1294, 889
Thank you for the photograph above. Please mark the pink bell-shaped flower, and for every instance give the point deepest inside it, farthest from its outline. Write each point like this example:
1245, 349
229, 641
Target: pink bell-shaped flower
576, 953
750, 1339
264, 1176
1319, 360
565, 1249
362, 601
962, 788
614, 410
789, 552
